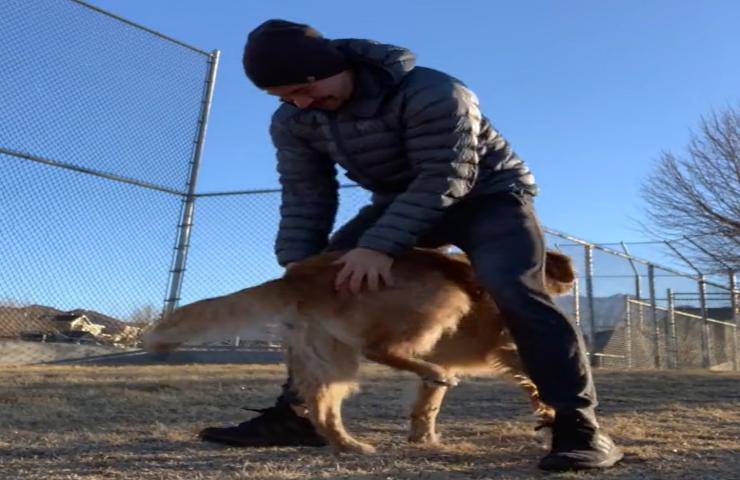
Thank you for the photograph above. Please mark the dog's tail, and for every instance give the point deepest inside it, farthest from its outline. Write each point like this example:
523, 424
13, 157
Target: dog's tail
218, 318
559, 273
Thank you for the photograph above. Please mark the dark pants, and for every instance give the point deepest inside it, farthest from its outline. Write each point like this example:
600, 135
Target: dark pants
503, 240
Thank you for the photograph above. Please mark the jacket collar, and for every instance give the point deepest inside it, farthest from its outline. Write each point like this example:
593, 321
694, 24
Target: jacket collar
379, 68
369, 94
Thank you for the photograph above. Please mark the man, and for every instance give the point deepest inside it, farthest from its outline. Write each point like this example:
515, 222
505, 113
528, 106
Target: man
440, 174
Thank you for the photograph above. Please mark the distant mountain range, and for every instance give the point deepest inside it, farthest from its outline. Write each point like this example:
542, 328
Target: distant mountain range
608, 311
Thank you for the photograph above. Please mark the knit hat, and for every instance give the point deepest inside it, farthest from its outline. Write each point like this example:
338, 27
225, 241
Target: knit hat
279, 53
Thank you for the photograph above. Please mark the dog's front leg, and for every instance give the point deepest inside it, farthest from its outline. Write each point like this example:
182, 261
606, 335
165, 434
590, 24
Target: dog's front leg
424, 413
324, 410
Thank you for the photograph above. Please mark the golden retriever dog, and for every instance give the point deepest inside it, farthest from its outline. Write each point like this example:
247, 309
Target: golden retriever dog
435, 321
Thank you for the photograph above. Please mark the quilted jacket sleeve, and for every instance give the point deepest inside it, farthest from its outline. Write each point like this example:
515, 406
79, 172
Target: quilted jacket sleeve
442, 124
309, 197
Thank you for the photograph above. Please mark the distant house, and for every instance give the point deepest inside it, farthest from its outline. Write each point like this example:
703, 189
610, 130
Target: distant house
63, 327
15, 321
76, 322
39, 323
67, 336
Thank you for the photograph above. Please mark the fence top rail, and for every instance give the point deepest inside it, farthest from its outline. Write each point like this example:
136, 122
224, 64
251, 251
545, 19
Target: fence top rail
253, 192
89, 171
720, 322
696, 295
632, 258
657, 307
679, 312
141, 27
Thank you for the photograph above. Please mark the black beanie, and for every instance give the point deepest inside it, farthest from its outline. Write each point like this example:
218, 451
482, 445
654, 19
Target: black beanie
279, 53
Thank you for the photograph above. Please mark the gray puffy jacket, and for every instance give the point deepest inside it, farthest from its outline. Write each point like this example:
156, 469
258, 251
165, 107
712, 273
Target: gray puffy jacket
413, 136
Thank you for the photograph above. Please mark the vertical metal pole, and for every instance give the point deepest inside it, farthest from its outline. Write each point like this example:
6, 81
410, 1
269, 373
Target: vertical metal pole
654, 315
733, 309
671, 334
705, 358
638, 297
577, 304
628, 330
590, 298
638, 286
732, 294
186, 221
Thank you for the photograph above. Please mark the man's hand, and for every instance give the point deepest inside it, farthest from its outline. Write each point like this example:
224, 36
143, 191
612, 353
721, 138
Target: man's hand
361, 263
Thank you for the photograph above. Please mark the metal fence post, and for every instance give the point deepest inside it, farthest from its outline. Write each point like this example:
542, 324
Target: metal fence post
671, 333
628, 330
186, 222
590, 298
638, 286
577, 304
734, 319
705, 358
638, 297
654, 315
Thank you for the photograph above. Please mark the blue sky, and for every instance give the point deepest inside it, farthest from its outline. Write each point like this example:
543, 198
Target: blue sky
588, 92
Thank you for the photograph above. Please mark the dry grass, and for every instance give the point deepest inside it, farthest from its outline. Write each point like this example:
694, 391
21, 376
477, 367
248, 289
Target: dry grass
65, 423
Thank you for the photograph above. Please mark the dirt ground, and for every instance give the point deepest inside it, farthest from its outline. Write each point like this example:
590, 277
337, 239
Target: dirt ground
85, 422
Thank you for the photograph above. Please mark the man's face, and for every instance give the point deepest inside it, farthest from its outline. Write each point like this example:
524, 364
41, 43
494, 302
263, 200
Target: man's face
325, 94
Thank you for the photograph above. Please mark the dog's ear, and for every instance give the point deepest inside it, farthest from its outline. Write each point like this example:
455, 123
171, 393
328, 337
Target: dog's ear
559, 267
559, 273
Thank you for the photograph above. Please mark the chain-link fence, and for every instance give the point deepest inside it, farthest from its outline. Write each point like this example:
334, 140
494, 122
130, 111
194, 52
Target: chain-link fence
636, 314
619, 301
233, 239
101, 123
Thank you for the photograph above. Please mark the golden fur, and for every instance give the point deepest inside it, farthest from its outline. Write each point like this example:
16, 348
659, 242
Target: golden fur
436, 321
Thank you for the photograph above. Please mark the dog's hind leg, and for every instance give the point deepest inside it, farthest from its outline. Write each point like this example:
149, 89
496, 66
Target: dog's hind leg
509, 359
424, 413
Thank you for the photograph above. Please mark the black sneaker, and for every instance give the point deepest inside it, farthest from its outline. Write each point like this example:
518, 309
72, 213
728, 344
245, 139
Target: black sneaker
578, 446
277, 426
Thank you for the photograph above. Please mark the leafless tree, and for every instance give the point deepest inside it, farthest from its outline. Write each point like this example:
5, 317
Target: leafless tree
144, 315
697, 195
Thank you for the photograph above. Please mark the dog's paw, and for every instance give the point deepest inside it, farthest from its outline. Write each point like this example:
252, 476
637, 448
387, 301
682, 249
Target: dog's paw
355, 447
424, 438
